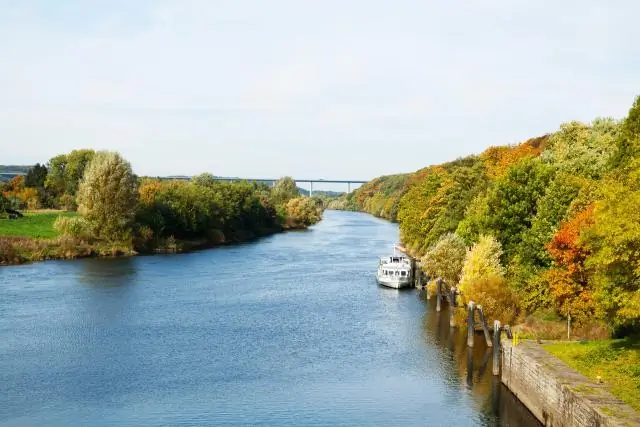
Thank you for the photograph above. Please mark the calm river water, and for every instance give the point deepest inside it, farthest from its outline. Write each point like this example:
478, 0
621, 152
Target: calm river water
289, 330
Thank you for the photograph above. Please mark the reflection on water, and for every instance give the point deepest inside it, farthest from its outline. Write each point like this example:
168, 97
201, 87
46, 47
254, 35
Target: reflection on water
473, 364
289, 330
110, 272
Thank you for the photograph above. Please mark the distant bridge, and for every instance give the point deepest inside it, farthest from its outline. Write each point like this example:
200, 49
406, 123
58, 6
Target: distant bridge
271, 181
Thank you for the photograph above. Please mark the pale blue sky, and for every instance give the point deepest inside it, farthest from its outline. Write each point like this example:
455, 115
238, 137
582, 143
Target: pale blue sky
334, 89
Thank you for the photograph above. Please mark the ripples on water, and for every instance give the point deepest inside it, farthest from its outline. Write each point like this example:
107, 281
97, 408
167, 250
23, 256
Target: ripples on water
288, 330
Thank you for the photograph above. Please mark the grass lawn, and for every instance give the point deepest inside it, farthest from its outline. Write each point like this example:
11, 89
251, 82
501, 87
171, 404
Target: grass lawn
34, 224
617, 362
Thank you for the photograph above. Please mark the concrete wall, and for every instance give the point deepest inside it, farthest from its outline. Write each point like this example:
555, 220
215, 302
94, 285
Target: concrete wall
556, 394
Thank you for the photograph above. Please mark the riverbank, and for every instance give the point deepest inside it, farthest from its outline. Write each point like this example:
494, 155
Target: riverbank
558, 395
22, 250
33, 239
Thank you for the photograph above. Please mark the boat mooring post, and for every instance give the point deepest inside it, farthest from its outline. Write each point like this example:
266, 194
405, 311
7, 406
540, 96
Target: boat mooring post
496, 347
485, 327
438, 293
470, 323
452, 306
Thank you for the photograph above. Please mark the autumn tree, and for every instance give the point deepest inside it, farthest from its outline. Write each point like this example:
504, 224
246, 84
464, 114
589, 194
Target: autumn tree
107, 196
445, 259
481, 261
614, 240
303, 211
569, 279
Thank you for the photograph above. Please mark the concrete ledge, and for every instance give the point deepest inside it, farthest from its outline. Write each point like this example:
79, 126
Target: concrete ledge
558, 395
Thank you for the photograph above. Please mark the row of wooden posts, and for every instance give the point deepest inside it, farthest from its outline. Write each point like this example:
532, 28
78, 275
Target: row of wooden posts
472, 309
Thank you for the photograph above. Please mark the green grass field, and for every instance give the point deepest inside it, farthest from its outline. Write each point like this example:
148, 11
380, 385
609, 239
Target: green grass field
34, 224
616, 362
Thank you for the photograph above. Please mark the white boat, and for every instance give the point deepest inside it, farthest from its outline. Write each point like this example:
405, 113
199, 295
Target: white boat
394, 271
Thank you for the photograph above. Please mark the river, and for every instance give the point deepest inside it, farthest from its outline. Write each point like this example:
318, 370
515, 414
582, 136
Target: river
287, 330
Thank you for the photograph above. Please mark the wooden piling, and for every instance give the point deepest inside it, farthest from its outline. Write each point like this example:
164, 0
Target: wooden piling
438, 294
452, 307
496, 347
485, 327
470, 324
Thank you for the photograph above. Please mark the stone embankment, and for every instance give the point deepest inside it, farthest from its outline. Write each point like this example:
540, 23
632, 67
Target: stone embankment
556, 394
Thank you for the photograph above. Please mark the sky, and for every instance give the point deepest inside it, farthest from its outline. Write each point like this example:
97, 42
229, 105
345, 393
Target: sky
311, 89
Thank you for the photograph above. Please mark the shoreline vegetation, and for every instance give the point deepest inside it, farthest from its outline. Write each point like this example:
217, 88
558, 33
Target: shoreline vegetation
544, 233
90, 204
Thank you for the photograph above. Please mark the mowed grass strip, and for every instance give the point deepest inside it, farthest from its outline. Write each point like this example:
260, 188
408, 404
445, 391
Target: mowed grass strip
616, 362
38, 225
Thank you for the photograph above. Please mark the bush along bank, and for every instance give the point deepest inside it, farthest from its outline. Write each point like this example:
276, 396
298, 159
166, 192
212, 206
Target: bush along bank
537, 232
121, 214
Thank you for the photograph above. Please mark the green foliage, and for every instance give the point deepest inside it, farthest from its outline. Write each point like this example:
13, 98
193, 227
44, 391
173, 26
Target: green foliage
205, 180
218, 211
445, 259
65, 172
628, 141
72, 226
107, 197
615, 362
614, 241
284, 190
512, 202
36, 176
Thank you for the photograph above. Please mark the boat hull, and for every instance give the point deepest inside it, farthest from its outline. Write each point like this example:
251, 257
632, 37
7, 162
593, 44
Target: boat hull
394, 283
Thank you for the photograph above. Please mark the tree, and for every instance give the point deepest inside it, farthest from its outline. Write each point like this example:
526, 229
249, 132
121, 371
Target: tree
614, 241
512, 202
303, 211
628, 141
66, 170
284, 190
569, 279
481, 261
107, 196
204, 179
445, 259
17, 183
36, 176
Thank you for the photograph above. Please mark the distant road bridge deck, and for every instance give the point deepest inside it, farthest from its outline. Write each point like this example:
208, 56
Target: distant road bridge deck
271, 181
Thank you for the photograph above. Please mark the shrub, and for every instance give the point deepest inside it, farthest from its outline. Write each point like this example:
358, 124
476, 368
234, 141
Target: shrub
495, 296
76, 227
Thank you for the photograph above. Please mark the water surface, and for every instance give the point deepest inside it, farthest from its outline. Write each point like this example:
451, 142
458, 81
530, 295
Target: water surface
288, 330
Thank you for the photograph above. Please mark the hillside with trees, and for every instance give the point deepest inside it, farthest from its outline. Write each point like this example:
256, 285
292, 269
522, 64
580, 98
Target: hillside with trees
548, 228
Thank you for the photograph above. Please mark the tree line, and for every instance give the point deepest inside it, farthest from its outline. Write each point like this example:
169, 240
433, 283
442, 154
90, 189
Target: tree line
550, 225
145, 213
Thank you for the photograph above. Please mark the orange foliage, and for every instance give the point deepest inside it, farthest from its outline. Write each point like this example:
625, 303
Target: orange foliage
28, 196
568, 281
148, 191
565, 247
499, 159
17, 183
